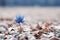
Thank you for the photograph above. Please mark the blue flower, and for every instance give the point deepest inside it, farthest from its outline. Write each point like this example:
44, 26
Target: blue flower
19, 19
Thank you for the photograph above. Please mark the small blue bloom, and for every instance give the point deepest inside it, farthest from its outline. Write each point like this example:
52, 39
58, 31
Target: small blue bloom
19, 19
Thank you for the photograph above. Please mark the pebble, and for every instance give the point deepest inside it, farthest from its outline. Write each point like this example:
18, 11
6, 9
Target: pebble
29, 31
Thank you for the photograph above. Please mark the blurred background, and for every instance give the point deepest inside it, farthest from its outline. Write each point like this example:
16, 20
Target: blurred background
36, 9
29, 2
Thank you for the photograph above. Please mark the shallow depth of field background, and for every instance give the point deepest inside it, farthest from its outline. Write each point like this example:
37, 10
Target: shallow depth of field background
34, 9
